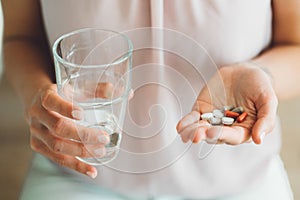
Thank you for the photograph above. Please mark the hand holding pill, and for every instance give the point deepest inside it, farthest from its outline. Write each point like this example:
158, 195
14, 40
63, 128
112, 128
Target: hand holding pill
237, 104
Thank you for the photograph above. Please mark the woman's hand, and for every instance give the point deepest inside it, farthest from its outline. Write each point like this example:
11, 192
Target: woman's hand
51, 125
243, 85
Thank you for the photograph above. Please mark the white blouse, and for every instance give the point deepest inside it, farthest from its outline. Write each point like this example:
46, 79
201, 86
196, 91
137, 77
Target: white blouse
188, 42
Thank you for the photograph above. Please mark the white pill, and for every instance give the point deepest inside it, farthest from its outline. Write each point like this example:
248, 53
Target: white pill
215, 121
218, 113
227, 120
207, 116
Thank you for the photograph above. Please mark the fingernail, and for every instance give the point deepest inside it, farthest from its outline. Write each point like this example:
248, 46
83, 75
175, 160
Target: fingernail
100, 151
77, 114
93, 175
262, 136
103, 139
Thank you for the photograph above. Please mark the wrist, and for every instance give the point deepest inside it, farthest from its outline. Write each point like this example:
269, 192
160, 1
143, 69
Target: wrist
265, 70
259, 66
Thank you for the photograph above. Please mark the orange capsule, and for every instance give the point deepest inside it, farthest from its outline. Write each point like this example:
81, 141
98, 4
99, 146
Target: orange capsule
242, 117
231, 114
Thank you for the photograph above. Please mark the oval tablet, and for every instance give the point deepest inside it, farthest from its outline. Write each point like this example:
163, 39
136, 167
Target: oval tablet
227, 120
215, 121
207, 116
218, 113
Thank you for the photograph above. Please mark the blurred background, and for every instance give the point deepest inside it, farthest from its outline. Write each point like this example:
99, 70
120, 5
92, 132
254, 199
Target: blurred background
15, 153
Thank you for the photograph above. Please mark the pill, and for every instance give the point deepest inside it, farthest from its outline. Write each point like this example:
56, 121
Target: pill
207, 116
242, 117
230, 107
239, 110
227, 120
231, 114
218, 113
215, 121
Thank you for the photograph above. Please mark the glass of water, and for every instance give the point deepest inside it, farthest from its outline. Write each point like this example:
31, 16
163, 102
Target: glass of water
93, 71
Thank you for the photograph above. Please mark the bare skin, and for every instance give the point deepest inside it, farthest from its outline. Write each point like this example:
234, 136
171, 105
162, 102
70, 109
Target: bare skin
29, 69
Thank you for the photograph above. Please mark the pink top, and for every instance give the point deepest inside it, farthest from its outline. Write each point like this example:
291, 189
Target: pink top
172, 62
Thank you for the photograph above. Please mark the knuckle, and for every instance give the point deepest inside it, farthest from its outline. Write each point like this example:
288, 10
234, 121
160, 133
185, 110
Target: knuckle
60, 108
32, 130
30, 113
68, 162
59, 125
46, 95
82, 150
33, 145
84, 136
32, 109
61, 160
57, 146
78, 166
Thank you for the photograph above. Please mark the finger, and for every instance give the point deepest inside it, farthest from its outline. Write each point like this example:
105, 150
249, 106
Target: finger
262, 126
68, 147
68, 129
63, 160
104, 90
51, 101
266, 118
189, 119
194, 132
232, 135
199, 134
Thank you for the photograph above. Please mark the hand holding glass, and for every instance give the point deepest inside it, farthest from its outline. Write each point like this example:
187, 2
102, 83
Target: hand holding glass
93, 69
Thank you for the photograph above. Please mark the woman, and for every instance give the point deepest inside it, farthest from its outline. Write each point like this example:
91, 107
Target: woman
253, 60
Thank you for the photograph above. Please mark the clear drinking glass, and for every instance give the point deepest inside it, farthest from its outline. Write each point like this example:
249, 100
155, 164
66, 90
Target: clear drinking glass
93, 71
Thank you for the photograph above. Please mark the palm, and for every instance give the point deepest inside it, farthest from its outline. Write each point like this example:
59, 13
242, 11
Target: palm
244, 86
